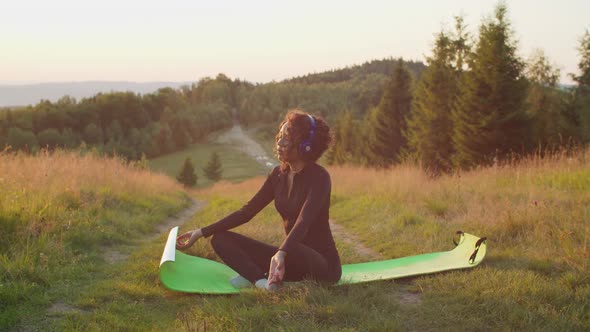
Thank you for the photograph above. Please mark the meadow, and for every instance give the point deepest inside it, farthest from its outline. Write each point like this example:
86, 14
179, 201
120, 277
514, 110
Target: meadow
60, 213
534, 212
236, 165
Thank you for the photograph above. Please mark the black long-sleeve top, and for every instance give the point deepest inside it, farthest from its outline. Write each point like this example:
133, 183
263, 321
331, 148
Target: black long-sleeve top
305, 211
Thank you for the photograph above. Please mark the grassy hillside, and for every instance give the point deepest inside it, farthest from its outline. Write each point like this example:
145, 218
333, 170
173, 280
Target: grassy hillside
237, 166
535, 277
59, 214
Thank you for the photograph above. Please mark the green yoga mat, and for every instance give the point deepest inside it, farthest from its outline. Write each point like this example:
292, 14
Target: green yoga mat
190, 274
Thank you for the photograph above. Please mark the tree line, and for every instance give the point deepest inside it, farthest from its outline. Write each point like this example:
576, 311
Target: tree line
167, 120
476, 103
125, 123
354, 89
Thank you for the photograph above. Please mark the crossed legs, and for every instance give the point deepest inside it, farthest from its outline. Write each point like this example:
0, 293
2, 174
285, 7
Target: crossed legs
251, 258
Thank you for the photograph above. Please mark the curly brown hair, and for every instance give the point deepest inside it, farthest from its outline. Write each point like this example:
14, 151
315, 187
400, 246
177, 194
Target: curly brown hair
300, 126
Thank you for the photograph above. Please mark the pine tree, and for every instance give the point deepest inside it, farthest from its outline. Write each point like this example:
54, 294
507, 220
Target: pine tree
581, 102
330, 154
429, 125
213, 169
187, 174
344, 140
584, 65
545, 104
489, 119
388, 120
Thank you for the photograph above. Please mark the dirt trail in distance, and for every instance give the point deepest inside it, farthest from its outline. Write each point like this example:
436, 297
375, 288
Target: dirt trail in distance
241, 141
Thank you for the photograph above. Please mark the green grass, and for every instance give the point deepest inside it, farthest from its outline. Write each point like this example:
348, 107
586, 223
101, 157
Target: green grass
59, 214
237, 166
535, 277
514, 288
128, 296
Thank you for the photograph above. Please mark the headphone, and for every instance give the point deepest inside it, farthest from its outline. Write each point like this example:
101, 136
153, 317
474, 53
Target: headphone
305, 146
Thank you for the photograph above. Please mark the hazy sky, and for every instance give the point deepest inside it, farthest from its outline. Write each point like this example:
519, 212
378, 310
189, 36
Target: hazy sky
260, 41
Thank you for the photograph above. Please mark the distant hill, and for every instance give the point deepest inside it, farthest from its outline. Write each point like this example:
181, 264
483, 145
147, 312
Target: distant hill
382, 66
356, 88
14, 95
28, 94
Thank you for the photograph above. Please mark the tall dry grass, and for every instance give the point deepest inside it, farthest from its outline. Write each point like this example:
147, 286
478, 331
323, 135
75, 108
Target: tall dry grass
533, 212
59, 211
410, 178
54, 172
31, 184
535, 277
537, 204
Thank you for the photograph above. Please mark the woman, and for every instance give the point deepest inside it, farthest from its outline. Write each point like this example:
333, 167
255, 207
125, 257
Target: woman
301, 191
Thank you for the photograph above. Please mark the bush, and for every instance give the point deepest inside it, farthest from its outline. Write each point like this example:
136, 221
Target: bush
187, 175
213, 169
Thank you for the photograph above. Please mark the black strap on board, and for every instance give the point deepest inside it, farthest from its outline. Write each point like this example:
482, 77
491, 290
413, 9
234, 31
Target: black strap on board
460, 233
477, 244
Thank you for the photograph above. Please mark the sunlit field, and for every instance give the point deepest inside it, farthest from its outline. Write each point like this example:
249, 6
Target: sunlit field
534, 213
538, 206
58, 213
236, 165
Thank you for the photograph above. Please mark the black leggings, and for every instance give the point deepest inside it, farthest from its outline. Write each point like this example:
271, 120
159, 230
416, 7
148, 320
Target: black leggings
251, 258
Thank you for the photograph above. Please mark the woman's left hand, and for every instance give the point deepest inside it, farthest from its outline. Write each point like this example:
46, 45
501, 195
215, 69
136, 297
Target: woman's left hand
277, 268
187, 239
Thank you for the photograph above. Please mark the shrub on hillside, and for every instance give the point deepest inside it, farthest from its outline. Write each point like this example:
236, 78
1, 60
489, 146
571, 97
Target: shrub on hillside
213, 169
187, 175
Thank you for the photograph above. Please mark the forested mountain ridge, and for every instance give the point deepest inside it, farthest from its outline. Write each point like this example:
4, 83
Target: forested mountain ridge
354, 89
20, 95
152, 124
383, 66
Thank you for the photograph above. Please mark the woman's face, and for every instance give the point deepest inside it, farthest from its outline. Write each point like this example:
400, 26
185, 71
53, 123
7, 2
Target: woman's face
286, 147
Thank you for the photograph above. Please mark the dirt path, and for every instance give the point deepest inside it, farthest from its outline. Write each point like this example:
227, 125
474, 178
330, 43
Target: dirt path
179, 219
113, 255
241, 141
340, 233
403, 293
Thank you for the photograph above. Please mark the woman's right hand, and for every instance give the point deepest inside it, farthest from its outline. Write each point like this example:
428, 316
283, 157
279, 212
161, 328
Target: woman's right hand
188, 239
